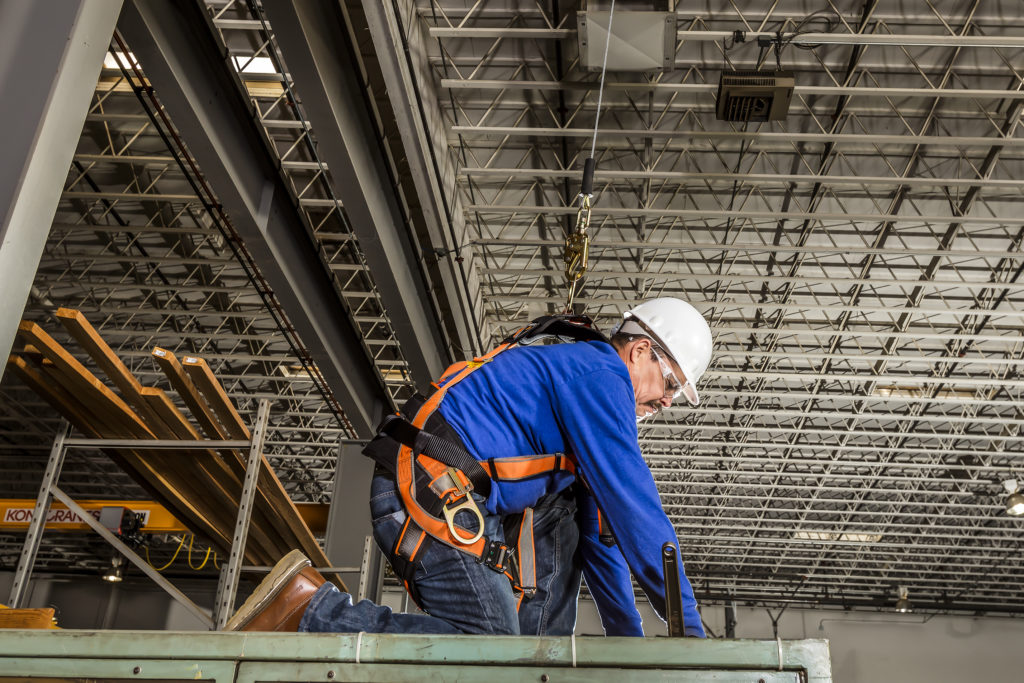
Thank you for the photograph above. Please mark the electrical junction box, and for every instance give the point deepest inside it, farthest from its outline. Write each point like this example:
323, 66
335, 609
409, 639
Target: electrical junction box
640, 41
754, 95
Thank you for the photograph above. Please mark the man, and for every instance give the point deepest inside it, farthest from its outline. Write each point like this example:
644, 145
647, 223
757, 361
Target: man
588, 500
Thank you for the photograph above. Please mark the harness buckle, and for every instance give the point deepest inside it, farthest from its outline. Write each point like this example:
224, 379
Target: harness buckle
498, 556
449, 511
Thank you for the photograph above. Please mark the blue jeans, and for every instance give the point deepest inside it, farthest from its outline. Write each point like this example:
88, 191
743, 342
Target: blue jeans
458, 594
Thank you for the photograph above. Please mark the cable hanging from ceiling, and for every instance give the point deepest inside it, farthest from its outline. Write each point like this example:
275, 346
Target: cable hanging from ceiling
577, 242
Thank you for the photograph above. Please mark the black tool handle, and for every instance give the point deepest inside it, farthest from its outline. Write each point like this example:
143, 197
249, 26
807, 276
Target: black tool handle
588, 177
673, 596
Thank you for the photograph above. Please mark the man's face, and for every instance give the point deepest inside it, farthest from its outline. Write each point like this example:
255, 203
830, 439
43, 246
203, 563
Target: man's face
654, 376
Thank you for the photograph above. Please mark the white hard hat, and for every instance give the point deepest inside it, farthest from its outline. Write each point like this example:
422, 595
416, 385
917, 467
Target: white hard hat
680, 330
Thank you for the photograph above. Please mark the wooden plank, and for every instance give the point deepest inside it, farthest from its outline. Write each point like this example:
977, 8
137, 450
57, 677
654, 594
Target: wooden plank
114, 418
218, 473
198, 370
189, 470
202, 376
162, 405
266, 515
89, 339
80, 377
32, 354
54, 394
189, 393
271, 495
27, 618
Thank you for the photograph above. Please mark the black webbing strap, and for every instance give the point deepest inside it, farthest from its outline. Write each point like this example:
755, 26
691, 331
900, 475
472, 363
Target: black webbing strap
407, 554
575, 327
438, 448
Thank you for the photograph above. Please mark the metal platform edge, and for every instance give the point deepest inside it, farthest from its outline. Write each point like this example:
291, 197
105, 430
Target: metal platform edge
240, 657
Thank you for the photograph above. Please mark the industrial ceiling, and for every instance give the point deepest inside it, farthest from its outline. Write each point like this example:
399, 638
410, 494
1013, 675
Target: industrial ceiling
860, 261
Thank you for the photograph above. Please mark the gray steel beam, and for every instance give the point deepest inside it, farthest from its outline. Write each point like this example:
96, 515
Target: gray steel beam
412, 115
761, 137
177, 46
51, 58
715, 215
892, 40
321, 59
712, 88
500, 176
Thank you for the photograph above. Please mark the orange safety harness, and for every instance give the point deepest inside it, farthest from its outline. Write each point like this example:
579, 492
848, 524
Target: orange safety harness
436, 477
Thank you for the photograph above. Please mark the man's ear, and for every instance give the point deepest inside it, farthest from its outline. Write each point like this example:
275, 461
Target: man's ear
639, 350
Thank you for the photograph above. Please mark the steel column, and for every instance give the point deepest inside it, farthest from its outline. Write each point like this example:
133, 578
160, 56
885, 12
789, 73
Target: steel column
371, 572
51, 58
35, 528
228, 585
176, 45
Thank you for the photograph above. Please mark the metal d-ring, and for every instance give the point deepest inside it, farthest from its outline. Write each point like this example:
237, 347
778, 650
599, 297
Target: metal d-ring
449, 516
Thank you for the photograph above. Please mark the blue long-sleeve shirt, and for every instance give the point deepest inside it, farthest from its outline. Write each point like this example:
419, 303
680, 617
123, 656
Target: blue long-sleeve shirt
576, 399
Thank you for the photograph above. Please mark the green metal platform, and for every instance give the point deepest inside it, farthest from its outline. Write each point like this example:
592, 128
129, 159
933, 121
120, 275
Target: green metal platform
252, 657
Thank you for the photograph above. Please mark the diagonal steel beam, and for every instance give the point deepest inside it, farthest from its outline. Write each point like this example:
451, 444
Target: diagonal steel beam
51, 59
321, 58
183, 59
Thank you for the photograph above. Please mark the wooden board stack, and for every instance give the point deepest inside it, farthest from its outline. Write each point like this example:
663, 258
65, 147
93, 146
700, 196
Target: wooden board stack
200, 487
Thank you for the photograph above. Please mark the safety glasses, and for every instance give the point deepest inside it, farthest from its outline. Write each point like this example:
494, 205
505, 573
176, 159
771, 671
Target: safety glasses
673, 387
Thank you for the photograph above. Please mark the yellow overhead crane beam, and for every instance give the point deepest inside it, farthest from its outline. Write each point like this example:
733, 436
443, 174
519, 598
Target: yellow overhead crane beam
16, 513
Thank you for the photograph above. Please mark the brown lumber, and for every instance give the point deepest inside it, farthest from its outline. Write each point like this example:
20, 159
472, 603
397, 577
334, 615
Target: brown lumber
41, 617
54, 394
188, 470
163, 470
89, 339
162, 405
68, 405
270, 492
208, 513
202, 376
80, 377
32, 354
94, 417
267, 511
188, 392
218, 472
181, 484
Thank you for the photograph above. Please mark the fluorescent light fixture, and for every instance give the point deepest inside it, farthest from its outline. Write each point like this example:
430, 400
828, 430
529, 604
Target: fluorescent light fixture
254, 65
847, 536
115, 572
903, 604
128, 59
292, 371
919, 392
1014, 501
